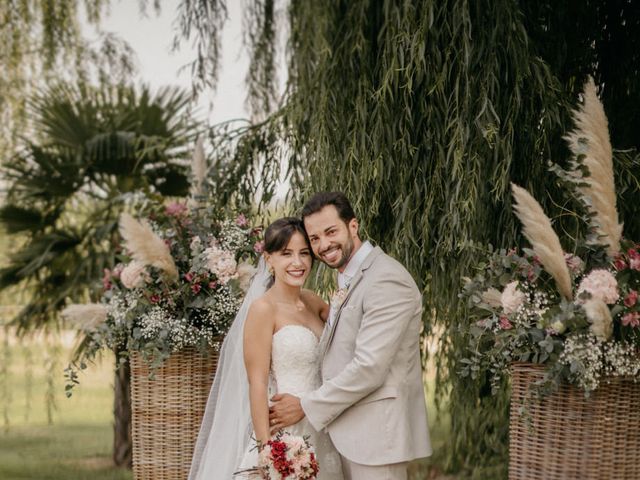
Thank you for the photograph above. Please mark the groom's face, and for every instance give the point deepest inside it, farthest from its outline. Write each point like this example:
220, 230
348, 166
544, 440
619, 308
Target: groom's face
333, 241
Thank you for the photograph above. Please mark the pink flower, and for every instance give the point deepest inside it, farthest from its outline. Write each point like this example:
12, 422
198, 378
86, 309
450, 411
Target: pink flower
505, 324
242, 221
258, 247
196, 287
575, 264
106, 279
117, 270
631, 319
154, 298
212, 285
634, 259
221, 263
631, 299
175, 209
601, 284
189, 277
133, 275
619, 263
511, 298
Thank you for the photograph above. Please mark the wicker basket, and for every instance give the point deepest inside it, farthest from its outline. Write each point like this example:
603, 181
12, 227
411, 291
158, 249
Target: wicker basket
567, 436
167, 411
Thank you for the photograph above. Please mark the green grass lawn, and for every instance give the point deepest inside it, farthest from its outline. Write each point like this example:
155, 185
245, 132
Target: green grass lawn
77, 446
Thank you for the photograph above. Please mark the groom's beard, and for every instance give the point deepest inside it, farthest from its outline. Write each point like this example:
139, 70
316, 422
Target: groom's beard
345, 248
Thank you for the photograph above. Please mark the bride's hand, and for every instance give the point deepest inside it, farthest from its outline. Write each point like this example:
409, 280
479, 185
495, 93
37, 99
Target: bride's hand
285, 411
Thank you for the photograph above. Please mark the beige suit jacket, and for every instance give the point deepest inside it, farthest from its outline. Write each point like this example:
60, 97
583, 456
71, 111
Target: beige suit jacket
371, 401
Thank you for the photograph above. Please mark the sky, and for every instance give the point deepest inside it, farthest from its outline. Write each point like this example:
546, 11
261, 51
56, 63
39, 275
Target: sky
151, 38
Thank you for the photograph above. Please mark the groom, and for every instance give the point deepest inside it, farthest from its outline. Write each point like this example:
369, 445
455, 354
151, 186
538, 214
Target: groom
371, 400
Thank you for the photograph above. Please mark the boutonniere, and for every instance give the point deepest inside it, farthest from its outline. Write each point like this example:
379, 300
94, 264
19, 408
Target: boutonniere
338, 297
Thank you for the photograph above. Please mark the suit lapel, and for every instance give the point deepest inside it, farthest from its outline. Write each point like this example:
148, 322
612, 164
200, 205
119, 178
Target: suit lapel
352, 286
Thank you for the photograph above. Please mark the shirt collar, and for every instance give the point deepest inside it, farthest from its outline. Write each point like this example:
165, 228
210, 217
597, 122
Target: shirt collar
354, 264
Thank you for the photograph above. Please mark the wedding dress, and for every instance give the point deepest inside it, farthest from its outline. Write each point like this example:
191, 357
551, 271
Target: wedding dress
225, 443
295, 369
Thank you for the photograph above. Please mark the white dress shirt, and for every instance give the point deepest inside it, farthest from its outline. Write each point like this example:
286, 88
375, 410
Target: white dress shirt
344, 278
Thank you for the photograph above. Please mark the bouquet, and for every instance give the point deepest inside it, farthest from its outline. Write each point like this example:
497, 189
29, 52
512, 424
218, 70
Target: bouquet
285, 456
179, 284
577, 312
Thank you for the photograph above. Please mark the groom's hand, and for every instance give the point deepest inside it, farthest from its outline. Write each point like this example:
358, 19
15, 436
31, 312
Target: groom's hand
285, 411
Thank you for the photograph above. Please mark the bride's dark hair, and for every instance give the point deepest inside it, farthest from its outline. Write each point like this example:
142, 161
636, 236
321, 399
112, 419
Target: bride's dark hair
279, 233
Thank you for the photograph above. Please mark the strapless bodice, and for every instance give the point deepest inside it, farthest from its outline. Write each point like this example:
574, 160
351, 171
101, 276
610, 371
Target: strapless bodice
294, 360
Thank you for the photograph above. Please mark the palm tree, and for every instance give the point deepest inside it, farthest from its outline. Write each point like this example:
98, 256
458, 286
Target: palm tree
89, 150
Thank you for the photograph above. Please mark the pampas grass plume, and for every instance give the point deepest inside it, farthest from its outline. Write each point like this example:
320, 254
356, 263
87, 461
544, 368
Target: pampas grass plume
145, 246
546, 244
85, 316
592, 127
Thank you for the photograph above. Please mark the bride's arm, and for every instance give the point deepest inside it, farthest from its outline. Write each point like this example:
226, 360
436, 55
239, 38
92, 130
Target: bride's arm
258, 331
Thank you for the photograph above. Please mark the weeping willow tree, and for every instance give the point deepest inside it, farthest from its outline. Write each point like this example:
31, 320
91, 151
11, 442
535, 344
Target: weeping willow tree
422, 112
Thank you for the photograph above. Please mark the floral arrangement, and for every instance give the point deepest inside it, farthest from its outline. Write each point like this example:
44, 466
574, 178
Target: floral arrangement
183, 270
578, 312
286, 456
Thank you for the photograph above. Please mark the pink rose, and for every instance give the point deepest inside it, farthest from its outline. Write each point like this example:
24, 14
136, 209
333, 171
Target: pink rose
106, 279
154, 298
619, 263
195, 288
188, 277
505, 324
574, 263
133, 275
631, 319
212, 285
634, 259
175, 209
258, 247
242, 221
602, 285
631, 299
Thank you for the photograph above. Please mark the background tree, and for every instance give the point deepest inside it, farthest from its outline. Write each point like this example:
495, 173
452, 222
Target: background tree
423, 112
89, 151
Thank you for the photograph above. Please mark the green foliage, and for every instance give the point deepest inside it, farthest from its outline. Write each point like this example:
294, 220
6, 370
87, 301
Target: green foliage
89, 149
42, 42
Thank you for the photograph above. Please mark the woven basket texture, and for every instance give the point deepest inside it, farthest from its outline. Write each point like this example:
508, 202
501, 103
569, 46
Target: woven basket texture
167, 411
567, 436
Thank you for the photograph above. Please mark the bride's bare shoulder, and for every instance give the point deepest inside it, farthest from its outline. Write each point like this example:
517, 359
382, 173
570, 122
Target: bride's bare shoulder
261, 309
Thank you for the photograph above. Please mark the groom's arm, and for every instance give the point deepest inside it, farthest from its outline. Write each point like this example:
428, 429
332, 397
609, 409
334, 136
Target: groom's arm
390, 304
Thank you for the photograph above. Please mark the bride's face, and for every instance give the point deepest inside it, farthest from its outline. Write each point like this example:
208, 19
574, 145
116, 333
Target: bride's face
292, 264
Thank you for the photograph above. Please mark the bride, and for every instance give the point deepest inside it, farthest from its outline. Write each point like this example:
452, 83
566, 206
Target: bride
272, 347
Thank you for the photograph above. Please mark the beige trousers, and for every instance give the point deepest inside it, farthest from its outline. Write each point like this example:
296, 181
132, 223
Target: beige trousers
355, 471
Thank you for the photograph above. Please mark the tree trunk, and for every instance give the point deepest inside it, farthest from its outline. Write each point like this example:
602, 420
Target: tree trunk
122, 444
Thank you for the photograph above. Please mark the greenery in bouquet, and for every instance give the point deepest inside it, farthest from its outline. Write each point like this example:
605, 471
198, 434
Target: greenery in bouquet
183, 270
576, 312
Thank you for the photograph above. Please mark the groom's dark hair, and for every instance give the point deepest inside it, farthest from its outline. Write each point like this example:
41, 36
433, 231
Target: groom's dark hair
323, 199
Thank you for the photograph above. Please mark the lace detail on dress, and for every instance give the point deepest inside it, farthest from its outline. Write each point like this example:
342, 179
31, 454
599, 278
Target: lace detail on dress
295, 369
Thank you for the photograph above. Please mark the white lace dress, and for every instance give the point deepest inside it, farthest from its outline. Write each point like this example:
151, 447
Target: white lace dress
295, 369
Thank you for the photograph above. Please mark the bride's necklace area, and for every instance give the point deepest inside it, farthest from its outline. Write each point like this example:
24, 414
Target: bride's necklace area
298, 304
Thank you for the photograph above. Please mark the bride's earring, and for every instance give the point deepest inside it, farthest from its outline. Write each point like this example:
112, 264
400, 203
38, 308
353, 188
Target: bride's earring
270, 270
